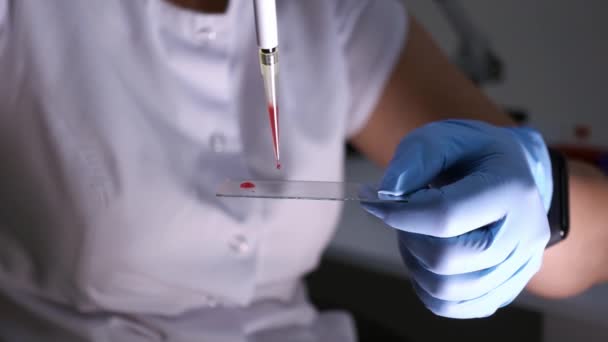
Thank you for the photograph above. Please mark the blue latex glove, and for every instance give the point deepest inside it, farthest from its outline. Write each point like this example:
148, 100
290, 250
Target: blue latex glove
472, 240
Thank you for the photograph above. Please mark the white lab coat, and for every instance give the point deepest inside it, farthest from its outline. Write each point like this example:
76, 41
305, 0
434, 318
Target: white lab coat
117, 120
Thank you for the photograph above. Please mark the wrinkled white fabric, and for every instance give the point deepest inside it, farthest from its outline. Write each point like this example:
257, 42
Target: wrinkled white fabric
117, 120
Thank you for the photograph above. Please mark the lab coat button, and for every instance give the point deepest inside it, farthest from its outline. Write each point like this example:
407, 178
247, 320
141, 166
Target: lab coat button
206, 33
217, 142
239, 244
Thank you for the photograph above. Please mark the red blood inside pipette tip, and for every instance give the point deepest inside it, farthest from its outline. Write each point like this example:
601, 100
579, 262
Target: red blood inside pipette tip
247, 185
274, 129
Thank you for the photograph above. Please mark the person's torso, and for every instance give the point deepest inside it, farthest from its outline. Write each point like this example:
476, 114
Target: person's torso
117, 121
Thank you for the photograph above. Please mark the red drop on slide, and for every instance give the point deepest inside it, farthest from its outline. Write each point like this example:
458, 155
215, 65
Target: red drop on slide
247, 185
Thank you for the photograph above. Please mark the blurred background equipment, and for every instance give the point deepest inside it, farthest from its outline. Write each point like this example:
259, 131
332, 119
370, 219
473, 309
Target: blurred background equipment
474, 56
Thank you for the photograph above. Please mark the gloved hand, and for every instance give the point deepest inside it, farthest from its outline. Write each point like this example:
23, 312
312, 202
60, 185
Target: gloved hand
473, 238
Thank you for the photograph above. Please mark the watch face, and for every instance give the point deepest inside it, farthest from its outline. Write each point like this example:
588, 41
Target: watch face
559, 213
603, 163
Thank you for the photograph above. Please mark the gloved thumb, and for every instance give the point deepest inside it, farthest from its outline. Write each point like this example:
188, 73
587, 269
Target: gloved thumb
413, 168
424, 154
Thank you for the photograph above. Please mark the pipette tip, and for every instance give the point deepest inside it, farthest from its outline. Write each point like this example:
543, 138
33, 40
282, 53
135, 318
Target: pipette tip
273, 112
269, 68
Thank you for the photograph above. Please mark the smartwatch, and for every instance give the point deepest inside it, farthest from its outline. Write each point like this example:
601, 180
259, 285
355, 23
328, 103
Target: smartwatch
559, 212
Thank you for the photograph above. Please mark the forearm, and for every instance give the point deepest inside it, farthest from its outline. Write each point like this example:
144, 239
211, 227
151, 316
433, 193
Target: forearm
424, 87
581, 260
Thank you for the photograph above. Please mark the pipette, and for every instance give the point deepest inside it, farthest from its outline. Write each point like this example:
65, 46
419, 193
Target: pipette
268, 43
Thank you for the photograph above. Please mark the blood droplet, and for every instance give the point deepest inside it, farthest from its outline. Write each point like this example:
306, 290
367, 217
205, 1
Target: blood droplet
247, 185
278, 166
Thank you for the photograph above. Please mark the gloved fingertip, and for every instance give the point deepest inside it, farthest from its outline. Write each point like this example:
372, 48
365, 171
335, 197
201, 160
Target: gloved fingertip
394, 182
391, 192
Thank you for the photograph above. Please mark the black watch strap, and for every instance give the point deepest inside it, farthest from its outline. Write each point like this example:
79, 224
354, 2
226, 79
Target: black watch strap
559, 212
